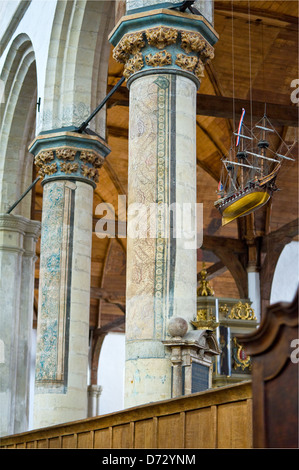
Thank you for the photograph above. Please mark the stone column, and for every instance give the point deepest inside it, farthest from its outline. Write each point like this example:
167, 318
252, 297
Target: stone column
69, 163
94, 393
164, 53
18, 237
254, 290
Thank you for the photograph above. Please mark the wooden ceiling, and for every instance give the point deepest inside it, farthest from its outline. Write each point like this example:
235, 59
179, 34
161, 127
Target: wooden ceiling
255, 61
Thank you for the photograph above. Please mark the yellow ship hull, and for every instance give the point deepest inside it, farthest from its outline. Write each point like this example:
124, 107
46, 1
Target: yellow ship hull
244, 205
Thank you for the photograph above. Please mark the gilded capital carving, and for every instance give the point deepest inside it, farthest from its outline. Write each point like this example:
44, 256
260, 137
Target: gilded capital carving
69, 168
90, 172
66, 153
161, 37
133, 65
168, 31
129, 45
192, 42
159, 59
47, 169
186, 62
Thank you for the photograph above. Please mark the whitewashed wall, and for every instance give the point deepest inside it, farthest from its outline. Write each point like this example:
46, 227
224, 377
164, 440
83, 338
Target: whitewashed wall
286, 276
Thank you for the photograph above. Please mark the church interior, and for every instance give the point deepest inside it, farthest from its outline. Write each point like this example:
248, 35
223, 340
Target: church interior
255, 67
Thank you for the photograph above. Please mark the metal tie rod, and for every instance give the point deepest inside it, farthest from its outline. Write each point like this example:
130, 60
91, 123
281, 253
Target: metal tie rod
85, 123
23, 195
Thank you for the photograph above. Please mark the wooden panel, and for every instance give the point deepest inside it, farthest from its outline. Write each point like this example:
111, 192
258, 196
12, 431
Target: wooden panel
171, 432
233, 425
193, 421
275, 377
102, 439
30, 445
42, 444
69, 442
85, 440
201, 428
145, 434
54, 443
121, 437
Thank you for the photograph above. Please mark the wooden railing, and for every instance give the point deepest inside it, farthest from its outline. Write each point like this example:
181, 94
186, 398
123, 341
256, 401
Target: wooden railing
217, 418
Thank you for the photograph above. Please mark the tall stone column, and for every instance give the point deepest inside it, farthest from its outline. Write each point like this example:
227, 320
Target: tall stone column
18, 237
164, 53
69, 163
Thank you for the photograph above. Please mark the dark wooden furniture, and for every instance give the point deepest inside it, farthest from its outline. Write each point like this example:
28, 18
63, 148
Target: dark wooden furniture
274, 351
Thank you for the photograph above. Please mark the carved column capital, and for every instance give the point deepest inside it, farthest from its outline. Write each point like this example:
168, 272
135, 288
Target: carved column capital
167, 41
69, 155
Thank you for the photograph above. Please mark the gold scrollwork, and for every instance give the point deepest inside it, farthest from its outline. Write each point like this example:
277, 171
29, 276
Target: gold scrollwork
66, 153
161, 37
159, 59
242, 312
133, 65
223, 309
69, 168
241, 359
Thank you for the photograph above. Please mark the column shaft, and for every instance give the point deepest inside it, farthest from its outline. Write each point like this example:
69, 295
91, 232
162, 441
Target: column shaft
162, 175
62, 341
69, 163
164, 53
18, 237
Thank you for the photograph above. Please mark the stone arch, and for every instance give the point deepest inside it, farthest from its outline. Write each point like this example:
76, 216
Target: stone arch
17, 125
77, 68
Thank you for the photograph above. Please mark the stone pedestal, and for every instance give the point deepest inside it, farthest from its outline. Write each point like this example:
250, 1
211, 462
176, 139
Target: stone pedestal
69, 163
192, 354
164, 53
18, 237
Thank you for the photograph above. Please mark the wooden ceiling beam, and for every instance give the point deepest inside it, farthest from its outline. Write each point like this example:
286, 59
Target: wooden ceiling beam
274, 18
227, 108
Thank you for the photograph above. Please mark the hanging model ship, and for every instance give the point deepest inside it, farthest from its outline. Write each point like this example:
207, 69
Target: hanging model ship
250, 170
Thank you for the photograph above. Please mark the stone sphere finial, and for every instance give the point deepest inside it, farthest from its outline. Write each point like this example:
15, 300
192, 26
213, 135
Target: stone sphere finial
177, 326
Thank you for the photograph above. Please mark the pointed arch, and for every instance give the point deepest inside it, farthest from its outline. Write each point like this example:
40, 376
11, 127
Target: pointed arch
77, 67
18, 116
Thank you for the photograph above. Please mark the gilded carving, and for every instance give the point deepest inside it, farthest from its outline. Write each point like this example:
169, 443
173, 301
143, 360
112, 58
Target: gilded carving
69, 168
98, 162
223, 309
242, 312
192, 42
129, 45
186, 62
241, 359
48, 169
199, 69
207, 54
205, 320
44, 157
87, 156
133, 65
159, 59
161, 37
204, 288
89, 172
66, 153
